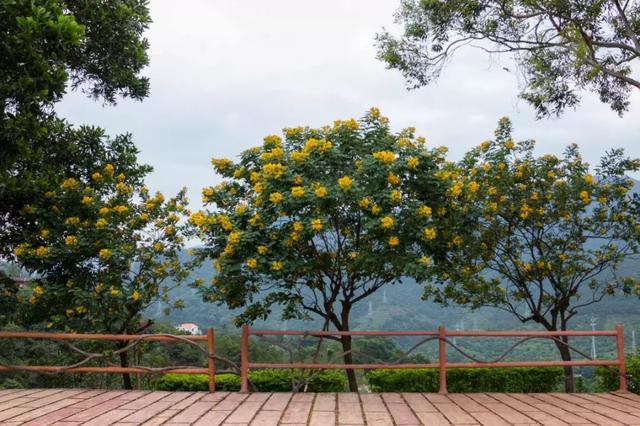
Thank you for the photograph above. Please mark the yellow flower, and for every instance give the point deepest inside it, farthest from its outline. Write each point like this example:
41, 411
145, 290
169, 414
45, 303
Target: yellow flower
69, 312
252, 263
144, 217
221, 164
96, 176
276, 265
99, 288
375, 210
386, 222
509, 144
584, 196
385, 157
345, 183
299, 156
457, 241
104, 254
525, 211
275, 197
157, 246
69, 183
262, 250
135, 295
320, 191
72, 220
228, 250
71, 240
87, 200
114, 291
429, 233
122, 187
316, 225
42, 251
198, 218
364, 202
275, 154
241, 209
551, 174
393, 179
456, 189
424, 260
602, 199
395, 196
44, 233
271, 141
412, 162
588, 179
394, 241
273, 170
121, 209
473, 187
108, 169
297, 191
234, 238
424, 211
224, 222
492, 190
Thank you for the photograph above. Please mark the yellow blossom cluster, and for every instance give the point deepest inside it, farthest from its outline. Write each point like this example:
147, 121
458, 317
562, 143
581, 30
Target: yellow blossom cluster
344, 183
385, 157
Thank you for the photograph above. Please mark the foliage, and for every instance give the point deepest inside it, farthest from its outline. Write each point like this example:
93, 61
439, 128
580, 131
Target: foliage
608, 379
263, 380
560, 47
538, 237
102, 246
320, 221
46, 46
467, 380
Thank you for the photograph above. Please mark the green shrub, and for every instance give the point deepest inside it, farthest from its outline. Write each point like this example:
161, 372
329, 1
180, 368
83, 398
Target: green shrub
263, 380
607, 377
467, 380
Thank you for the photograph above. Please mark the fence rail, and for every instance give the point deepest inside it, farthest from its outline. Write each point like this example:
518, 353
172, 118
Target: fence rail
441, 335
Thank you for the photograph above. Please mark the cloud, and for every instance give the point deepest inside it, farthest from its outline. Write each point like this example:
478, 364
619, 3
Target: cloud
224, 74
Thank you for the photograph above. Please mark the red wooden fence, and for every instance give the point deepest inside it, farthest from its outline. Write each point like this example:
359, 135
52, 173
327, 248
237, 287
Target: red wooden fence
441, 335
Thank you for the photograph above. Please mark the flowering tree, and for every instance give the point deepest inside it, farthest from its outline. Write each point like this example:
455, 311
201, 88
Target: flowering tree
321, 220
100, 245
538, 237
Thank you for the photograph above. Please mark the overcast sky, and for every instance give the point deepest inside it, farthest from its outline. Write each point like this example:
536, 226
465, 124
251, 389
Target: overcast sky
226, 73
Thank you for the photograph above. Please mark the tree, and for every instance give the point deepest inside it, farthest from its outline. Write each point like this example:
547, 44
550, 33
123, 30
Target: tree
46, 46
320, 221
538, 237
560, 47
102, 247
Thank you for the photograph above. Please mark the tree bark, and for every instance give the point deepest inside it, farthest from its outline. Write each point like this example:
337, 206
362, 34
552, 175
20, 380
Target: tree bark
348, 359
565, 354
346, 347
126, 377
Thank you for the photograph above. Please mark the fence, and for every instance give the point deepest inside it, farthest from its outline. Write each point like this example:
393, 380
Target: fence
441, 335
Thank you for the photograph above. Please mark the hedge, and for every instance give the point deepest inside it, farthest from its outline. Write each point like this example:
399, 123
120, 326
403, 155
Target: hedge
467, 380
263, 380
607, 378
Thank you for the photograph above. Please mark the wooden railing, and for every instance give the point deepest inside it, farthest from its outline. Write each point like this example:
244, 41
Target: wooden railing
441, 335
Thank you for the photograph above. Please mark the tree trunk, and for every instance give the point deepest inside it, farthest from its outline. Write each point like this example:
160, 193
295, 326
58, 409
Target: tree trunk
348, 359
126, 377
565, 354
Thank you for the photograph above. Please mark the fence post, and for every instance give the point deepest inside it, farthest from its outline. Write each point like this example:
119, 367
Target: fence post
211, 362
622, 371
244, 361
442, 358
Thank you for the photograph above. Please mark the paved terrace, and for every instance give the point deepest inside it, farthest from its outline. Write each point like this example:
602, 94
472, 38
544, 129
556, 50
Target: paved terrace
70, 407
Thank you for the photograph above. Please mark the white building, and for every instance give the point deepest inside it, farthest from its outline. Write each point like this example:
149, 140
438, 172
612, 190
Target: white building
189, 327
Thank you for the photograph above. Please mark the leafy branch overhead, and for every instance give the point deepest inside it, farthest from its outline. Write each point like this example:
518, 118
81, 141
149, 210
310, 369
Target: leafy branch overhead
561, 47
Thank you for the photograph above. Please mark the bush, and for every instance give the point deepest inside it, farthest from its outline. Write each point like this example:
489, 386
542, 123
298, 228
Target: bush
607, 378
467, 380
263, 380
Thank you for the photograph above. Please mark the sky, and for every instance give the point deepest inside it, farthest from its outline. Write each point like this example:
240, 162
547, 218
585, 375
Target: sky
226, 73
